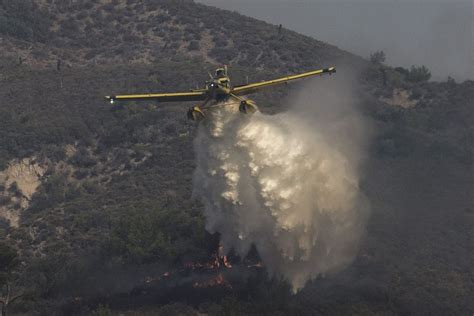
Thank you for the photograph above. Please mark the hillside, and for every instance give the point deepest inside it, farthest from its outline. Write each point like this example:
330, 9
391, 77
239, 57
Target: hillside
144, 32
96, 200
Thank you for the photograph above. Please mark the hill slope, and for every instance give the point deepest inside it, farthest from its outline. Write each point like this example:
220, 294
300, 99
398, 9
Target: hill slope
105, 192
144, 32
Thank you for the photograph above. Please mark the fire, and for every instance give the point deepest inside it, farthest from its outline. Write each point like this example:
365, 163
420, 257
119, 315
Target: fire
219, 280
226, 262
150, 279
257, 265
217, 263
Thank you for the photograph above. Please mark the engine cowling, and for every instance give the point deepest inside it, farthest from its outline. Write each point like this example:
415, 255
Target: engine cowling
248, 107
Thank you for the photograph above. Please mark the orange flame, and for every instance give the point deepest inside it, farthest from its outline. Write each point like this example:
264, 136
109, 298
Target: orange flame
226, 262
219, 280
217, 261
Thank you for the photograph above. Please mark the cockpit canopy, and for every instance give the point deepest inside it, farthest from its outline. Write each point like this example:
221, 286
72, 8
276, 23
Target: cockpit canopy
221, 72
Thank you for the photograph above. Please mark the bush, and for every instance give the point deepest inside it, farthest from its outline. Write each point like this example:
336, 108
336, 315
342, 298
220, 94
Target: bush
8, 259
102, 310
50, 193
5, 200
15, 190
402, 71
223, 55
81, 15
24, 20
377, 57
194, 45
149, 234
83, 159
15, 28
418, 74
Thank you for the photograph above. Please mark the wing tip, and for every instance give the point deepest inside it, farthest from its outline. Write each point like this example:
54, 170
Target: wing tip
329, 70
110, 98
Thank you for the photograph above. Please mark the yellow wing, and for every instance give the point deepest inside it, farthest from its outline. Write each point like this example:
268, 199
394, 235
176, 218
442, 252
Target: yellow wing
162, 97
254, 87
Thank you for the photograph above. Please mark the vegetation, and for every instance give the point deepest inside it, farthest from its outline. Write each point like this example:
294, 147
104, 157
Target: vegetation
25, 20
151, 234
8, 277
115, 203
377, 57
415, 73
418, 74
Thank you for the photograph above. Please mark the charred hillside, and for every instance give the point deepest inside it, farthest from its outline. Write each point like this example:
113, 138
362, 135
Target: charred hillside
95, 201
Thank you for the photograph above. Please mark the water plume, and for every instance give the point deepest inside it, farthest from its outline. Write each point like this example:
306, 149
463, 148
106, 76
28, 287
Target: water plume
286, 183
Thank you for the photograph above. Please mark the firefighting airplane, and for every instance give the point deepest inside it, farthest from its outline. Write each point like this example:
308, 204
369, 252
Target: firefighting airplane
217, 92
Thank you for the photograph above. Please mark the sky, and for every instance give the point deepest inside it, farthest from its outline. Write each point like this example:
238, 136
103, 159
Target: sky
435, 33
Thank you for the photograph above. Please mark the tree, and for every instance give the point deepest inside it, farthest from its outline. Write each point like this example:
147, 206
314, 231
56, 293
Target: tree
405, 72
418, 74
8, 263
377, 57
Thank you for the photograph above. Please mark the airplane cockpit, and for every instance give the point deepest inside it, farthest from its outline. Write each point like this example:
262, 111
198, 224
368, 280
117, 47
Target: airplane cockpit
222, 78
220, 73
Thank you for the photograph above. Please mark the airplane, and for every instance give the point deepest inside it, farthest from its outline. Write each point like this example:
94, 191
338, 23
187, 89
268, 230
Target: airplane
217, 92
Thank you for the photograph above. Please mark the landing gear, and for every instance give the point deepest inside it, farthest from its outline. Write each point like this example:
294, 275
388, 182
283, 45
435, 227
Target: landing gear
195, 114
245, 106
248, 107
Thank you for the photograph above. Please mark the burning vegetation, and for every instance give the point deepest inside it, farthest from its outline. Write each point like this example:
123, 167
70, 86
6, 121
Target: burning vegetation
210, 273
218, 280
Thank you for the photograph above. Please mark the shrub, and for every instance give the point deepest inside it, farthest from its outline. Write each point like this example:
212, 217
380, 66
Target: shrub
14, 189
377, 57
81, 15
50, 193
223, 55
15, 28
24, 20
147, 234
402, 70
418, 74
4, 200
102, 310
83, 159
194, 45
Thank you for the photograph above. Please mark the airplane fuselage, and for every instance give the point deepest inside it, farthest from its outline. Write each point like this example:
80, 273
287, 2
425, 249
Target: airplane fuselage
219, 89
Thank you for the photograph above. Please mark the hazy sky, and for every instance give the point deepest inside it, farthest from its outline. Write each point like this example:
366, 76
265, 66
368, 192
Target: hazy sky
438, 34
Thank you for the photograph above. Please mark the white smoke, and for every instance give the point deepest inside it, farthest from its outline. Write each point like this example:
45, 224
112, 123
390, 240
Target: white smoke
287, 183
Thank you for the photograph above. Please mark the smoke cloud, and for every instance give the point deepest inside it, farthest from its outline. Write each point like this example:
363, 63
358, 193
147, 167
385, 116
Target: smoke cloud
287, 183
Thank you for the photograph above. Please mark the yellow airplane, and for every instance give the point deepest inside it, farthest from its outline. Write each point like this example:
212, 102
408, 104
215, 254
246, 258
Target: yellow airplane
217, 91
